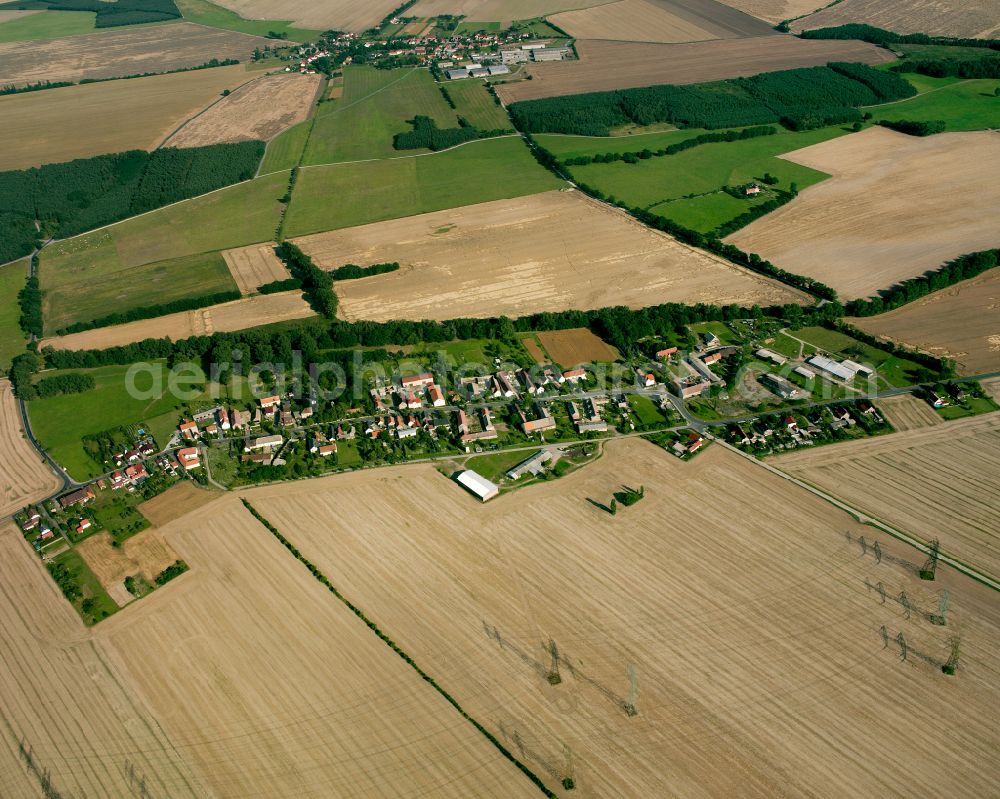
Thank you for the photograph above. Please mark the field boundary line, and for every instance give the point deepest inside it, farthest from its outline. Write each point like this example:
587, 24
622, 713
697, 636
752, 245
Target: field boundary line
919, 94
322, 578
865, 518
191, 119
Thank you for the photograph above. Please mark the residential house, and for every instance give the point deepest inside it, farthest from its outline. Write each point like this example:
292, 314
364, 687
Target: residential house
80, 497
188, 458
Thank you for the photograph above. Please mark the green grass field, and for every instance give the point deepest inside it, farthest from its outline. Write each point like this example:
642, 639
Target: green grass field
565, 146
892, 369
284, 151
477, 105
344, 195
645, 410
707, 168
243, 214
494, 465
962, 104
99, 604
60, 422
47, 25
707, 212
81, 295
373, 108
205, 13
12, 339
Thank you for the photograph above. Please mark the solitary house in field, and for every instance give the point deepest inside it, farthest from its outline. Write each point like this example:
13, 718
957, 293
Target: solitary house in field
478, 485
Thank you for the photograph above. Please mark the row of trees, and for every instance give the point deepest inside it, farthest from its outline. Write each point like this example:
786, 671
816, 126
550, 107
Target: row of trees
152, 311
80, 195
672, 149
29, 300
798, 98
962, 268
884, 38
952, 67
317, 284
56, 385
353, 271
109, 14
927, 127
426, 134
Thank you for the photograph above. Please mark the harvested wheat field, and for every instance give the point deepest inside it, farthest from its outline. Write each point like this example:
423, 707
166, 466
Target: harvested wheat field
939, 482
255, 266
660, 21
776, 10
248, 312
960, 322
979, 19
144, 553
259, 110
244, 677
124, 51
760, 668
572, 347
609, 65
546, 252
992, 387
503, 11
24, 476
341, 15
81, 121
178, 500
907, 412
896, 206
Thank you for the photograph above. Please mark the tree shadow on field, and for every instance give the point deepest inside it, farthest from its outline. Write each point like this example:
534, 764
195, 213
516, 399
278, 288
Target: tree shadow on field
600, 505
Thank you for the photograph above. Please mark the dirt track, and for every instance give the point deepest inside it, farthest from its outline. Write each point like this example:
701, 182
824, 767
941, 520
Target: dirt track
960, 322
545, 252
237, 315
259, 110
896, 206
122, 51
24, 476
608, 65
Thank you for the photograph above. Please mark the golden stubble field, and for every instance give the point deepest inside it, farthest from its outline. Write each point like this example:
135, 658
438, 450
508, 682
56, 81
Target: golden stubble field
608, 65
979, 19
341, 15
240, 314
80, 121
895, 207
122, 51
737, 598
241, 678
24, 476
545, 252
940, 482
907, 412
960, 322
259, 110
503, 11
255, 266
660, 21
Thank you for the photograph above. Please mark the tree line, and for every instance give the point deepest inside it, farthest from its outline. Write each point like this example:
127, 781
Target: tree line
927, 127
152, 311
29, 300
797, 98
635, 156
884, 38
353, 271
87, 193
955, 271
988, 67
316, 283
427, 134
109, 14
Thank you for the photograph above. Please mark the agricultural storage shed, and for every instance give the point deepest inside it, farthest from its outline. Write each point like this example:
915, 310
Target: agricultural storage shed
478, 485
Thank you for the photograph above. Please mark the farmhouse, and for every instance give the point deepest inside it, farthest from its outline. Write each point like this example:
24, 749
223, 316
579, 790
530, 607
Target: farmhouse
752, 190
780, 386
533, 465
417, 381
263, 442
188, 458
436, 396
270, 403
478, 485
189, 430
81, 497
666, 353
575, 375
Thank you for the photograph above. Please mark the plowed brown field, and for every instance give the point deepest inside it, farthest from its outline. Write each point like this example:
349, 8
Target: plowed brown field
960, 322
734, 595
896, 206
907, 412
124, 51
545, 252
608, 65
259, 110
978, 19
571, 347
24, 476
254, 266
939, 482
661, 21
249, 312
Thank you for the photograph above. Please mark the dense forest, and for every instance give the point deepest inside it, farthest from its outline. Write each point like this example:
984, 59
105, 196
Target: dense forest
988, 67
798, 98
955, 271
109, 14
80, 195
427, 134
